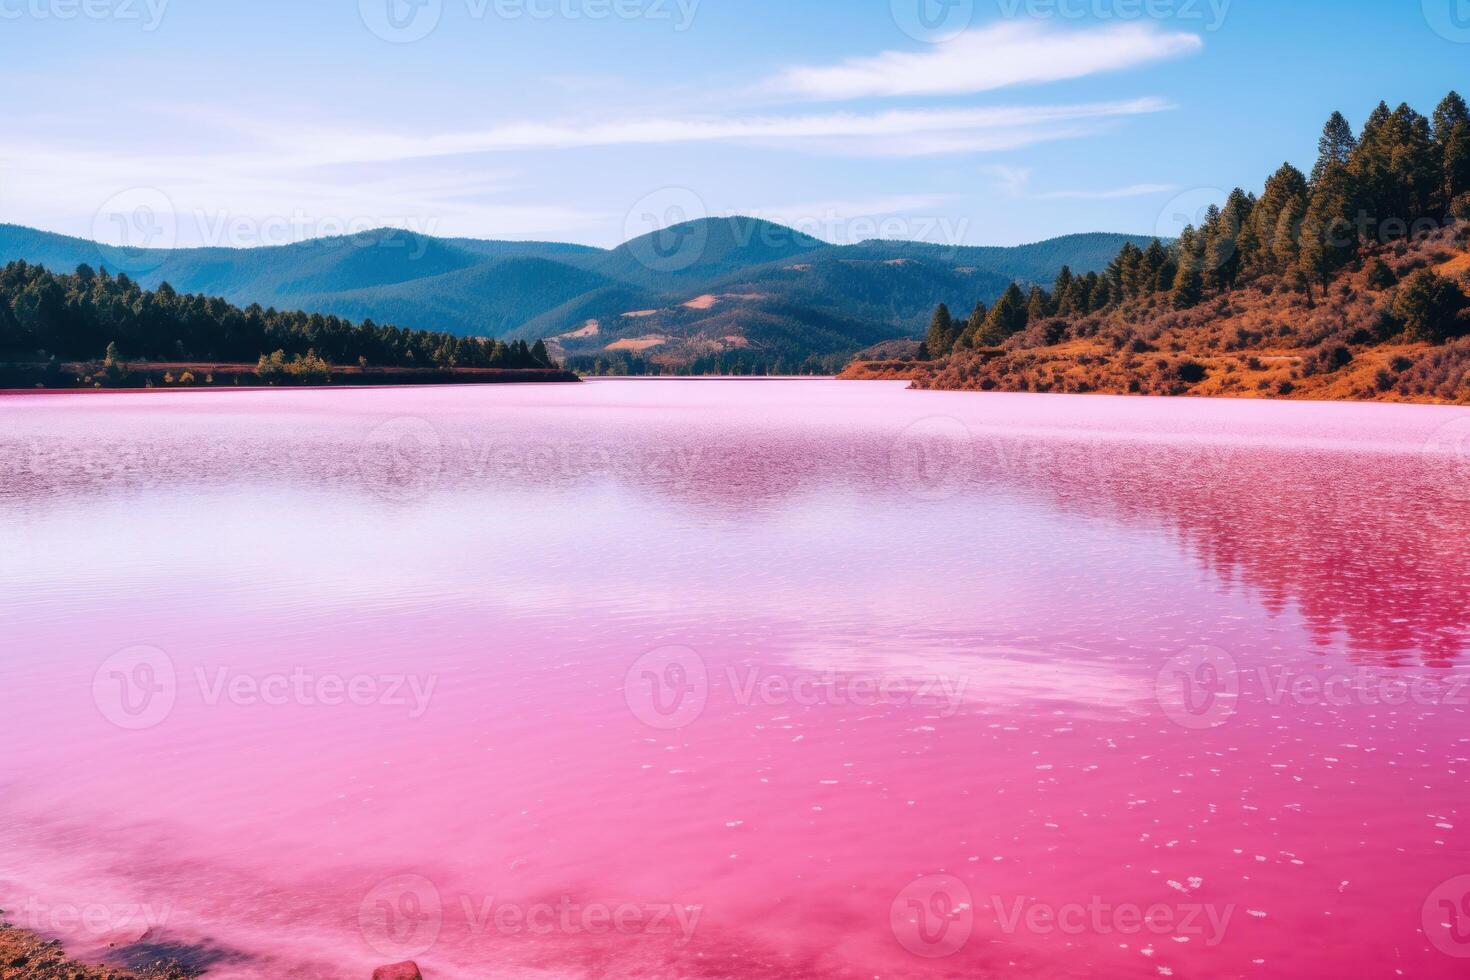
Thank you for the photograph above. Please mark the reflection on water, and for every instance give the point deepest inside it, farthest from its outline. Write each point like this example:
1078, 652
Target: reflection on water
747, 679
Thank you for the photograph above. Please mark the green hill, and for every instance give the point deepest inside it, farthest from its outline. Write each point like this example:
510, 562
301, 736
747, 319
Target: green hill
738, 286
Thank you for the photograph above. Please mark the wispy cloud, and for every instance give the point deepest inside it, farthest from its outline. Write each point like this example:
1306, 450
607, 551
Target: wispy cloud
878, 133
303, 182
1016, 182
991, 58
1132, 190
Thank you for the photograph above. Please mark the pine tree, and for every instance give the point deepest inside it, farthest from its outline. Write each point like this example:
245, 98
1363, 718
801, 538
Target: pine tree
1335, 147
1452, 137
1397, 170
1328, 240
1095, 293
1126, 271
1418, 166
1285, 244
1189, 282
1006, 317
942, 335
1160, 267
1286, 191
1222, 259
973, 327
1064, 292
1451, 112
1038, 305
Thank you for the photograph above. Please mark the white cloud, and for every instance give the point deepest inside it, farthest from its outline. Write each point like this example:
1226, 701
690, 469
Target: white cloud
996, 57
872, 133
450, 183
285, 155
1016, 182
1133, 190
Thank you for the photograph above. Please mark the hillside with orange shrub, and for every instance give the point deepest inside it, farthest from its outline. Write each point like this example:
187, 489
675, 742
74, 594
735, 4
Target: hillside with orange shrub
1268, 339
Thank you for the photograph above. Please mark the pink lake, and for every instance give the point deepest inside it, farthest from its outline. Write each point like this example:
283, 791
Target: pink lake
747, 679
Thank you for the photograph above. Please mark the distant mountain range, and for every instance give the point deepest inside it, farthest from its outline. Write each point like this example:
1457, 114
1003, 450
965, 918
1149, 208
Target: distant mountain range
710, 295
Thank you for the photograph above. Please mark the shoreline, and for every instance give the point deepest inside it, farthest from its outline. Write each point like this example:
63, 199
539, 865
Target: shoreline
26, 955
78, 376
922, 376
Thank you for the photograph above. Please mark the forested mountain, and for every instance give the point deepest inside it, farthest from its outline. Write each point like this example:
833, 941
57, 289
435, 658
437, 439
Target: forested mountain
1348, 282
727, 294
92, 315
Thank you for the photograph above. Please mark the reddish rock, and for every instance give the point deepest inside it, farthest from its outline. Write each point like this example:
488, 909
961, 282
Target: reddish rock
398, 971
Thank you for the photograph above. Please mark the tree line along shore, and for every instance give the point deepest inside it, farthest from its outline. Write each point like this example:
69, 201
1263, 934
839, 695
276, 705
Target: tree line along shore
94, 329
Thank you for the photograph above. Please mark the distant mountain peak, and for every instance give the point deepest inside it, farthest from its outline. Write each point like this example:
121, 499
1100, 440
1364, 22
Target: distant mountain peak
712, 243
785, 295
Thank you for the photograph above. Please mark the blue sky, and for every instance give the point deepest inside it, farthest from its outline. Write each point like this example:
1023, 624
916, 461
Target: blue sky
244, 122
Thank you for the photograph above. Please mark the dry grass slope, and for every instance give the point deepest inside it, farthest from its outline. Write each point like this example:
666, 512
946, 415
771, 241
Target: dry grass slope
1269, 339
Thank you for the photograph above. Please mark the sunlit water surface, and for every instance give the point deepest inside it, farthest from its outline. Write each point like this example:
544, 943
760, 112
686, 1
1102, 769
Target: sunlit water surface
739, 679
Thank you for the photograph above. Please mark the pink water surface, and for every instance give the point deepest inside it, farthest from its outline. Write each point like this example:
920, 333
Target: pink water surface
748, 679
